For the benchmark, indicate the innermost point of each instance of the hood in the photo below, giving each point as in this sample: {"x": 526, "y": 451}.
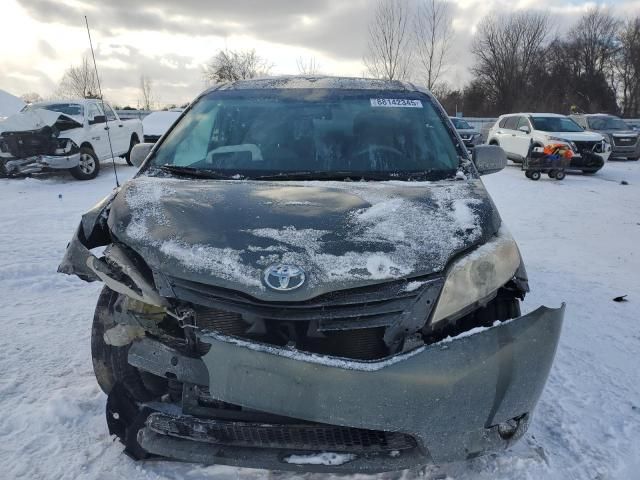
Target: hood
{"x": 620, "y": 133}
{"x": 342, "y": 234}
{"x": 577, "y": 136}
{"x": 33, "y": 120}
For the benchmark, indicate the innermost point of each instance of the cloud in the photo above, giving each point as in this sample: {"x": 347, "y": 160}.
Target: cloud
{"x": 170, "y": 40}
{"x": 332, "y": 26}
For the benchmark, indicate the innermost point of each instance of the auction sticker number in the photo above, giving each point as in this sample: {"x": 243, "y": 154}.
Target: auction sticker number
{"x": 396, "y": 102}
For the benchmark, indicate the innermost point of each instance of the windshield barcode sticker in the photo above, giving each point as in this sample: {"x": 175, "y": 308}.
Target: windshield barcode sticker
{"x": 396, "y": 102}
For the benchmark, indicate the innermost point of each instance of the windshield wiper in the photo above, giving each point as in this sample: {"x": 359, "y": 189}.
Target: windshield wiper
{"x": 346, "y": 175}
{"x": 195, "y": 172}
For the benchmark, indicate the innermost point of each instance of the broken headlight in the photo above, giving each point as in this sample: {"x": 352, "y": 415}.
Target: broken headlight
{"x": 476, "y": 276}
{"x": 65, "y": 147}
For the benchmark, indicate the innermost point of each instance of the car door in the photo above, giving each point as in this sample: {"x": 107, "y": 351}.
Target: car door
{"x": 97, "y": 132}
{"x": 119, "y": 134}
{"x": 507, "y": 134}
{"x": 522, "y": 139}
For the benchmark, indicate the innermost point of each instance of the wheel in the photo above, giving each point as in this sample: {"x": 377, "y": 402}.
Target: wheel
{"x": 560, "y": 175}
{"x": 535, "y": 175}
{"x": 110, "y": 363}
{"x": 89, "y": 166}
{"x": 134, "y": 141}
{"x": 551, "y": 173}
{"x": 527, "y": 173}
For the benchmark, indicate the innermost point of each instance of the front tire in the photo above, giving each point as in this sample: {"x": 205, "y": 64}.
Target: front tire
{"x": 535, "y": 175}
{"x": 88, "y": 167}
{"x": 110, "y": 363}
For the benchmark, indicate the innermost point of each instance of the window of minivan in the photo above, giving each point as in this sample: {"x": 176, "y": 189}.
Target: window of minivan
{"x": 258, "y": 133}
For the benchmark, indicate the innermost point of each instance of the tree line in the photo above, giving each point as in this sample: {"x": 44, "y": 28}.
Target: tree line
{"x": 518, "y": 63}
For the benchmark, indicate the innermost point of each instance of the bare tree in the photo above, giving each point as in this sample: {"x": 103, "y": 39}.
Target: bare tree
{"x": 31, "y": 97}
{"x": 146, "y": 90}
{"x": 388, "y": 51}
{"x": 433, "y": 37}
{"x": 509, "y": 51}
{"x": 233, "y": 65}
{"x": 79, "y": 81}
{"x": 307, "y": 66}
{"x": 593, "y": 41}
{"x": 628, "y": 67}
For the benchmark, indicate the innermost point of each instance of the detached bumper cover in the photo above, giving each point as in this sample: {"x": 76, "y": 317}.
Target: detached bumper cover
{"x": 25, "y": 166}
{"x": 450, "y": 396}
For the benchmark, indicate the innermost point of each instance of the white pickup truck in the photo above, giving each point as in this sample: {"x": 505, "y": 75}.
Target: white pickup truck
{"x": 68, "y": 135}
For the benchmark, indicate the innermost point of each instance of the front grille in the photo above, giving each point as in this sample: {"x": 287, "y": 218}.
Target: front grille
{"x": 316, "y": 437}
{"x": 358, "y": 344}
{"x": 375, "y": 306}
{"x": 624, "y": 141}
{"x": 30, "y": 143}
{"x": 589, "y": 146}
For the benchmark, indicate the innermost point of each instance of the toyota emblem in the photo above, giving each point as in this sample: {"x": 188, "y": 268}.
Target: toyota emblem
{"x": 284, "y": 278}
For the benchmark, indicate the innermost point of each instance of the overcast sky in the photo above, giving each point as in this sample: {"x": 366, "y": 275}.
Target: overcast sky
{"x": 170, "y": 40}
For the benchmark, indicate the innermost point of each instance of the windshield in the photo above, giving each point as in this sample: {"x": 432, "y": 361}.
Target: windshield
{"x": 555, "y": 124}
{"x": 461, "y": 124}
{"x": 607, "y": 123}
{"x": 256, "y": 133}
{"x": 72, "y": 109}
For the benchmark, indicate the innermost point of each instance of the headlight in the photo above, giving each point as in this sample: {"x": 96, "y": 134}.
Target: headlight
{"x": 573, "y": 146}
{"x": 477, "y": 275}
{"x": 65, "y": 146}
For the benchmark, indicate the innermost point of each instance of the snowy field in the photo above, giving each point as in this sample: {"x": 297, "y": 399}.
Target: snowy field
{"x": 580, "y": 239}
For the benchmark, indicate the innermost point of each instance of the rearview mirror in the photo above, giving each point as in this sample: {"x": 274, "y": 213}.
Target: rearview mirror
{"x": 524, "y": 129}
{"x": 489, "y": 159}
{"x": 139, "y": 152}
{"x": 98, "y": 119}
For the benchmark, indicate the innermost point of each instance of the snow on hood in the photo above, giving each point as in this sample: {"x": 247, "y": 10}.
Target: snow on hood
{"x": 9, "y": 104}
{"x": 30, "y": 120}
{"x": 157, "y": 123}
{"x": 343, "y": 234}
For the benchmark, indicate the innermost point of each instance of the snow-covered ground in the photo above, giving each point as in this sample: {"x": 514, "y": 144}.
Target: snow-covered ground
{"x": 581, "y": 242}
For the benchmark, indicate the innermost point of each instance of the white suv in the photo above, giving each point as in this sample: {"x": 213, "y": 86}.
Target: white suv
{"x": 517, "y": 132}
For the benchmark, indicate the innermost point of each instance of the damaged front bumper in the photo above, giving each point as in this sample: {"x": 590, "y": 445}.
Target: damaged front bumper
{"x": 38, "y": 164}
{"x": 457, "y": 399}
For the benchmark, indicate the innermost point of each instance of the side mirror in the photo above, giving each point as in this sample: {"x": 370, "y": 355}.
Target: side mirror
{"x": 489, "y": 159}
{"x": 139, "y": 152}
{"x": 524, "y": 129}
{"x": 98, "y": 119}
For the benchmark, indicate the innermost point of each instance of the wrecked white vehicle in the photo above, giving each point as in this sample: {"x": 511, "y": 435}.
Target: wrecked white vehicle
{"x": 72, "y": 136}
{"x": 309, "y": 274}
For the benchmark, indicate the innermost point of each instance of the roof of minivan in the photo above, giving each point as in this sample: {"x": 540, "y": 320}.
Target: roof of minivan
{"x": 317, "y": 81}
{"x": 537, "y": 114}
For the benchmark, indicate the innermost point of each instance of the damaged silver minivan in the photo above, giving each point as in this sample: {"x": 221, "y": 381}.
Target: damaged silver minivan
{"x": 307, "y": 273}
